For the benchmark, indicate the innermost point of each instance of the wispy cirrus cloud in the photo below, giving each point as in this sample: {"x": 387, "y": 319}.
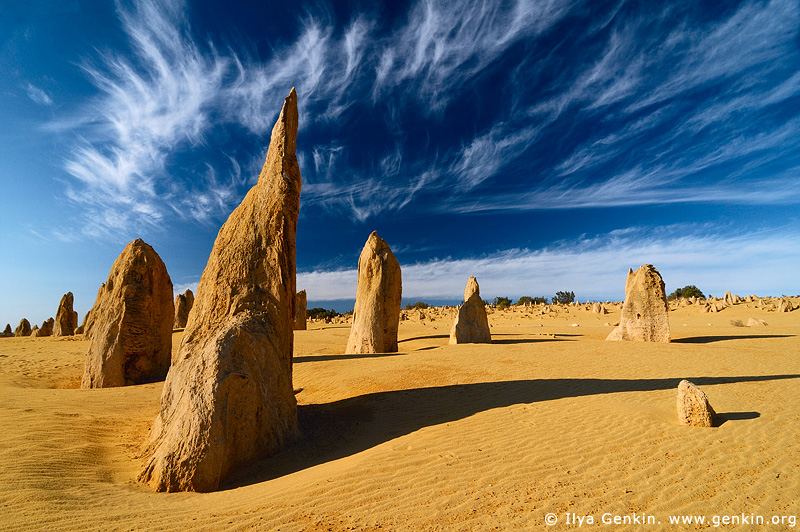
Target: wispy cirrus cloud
{"x": 595, "y": 267}
{"x": 634, "y": 106}
{"x": 165, "y": 96}
{"x": 38, "y": 95}
{"x": 445, "y": 44}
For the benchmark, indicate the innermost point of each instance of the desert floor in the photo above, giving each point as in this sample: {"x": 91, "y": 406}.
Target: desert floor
{"x": 548, "y": 418}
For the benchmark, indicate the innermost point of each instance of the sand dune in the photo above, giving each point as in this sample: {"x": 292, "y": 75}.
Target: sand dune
{"x": 547, "y": 418}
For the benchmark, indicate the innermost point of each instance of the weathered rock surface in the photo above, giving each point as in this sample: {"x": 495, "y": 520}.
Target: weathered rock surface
{"x": 23, "y": 329}
{"x": 228, "y": 398}
{"x": 728, "y": 299}
{"x": 7, "y": 332}
{"x": 300, "y": 311}
{"x": 598, "y": 308}
{"x": 35, "y": 331}
{"x": 645, "y": 315}
{"x": 131, "y": 336}
{"x": 693, "y": 406}
{"x": 66, "y": 318}
{"x": 376, "y": 317}
{"x": 753, "y": 322}
{"x": 471, "y": 325}
{"x": 46, "y": 329}
{"x": 183, "y": 304}
{"x": 88, "y": 320}
{"x": 785, "y": 305}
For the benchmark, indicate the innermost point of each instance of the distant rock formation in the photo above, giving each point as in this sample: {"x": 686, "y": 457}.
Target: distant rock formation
{"x": 753, "y": 322}
{"x": 23, "y": 329}
{"x": 228, "y": 399}
{"x": 7, "y": 332}
{"x": 66, "y": 318}
{"x": 183, "y": 304}
{"x": 645, "y": 315}
{"x": 35, "y": 331}
{"x": 598, "y": 308}
{"x": 471, "y": 325}
{"x": 46, "y": 329}
{"x": 300, "y": 311}
{"x": 693, "y": 406}
{"x": 785, "y": 305}
{"x": 131, "y": 327}
{"x": 376, "y": 316}
{"x": 731, "y": 299}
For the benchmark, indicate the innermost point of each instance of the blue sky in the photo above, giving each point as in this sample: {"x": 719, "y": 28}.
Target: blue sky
{"x": 539, "y": 145}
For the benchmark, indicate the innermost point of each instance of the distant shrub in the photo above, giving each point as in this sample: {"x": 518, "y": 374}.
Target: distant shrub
{"x": 417, "y": 305}
{"x": 737, "y": 323}
{"x": 528, "y": 300}
{"x": 687, "y": 292}
{"x": 319, "y": 313}
{"x": 501, "y": 302}
{"x": 564, "y": 297}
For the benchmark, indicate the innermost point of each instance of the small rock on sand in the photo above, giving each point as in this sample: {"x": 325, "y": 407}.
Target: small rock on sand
{"x": 693, "y": 406}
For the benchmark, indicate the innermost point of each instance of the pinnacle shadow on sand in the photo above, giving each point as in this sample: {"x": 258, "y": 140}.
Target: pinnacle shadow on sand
{"x": 711, "y": 339}
{"x": 349, "y": 426}
{"x": 430, "y": 337}
{"x": 508, "y": 341}
{"x": 343, "y": 356}
{"x": 722, "y": 418}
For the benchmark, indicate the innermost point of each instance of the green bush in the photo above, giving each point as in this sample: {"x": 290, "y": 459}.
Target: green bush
{"x": 528, "y": 300}
{"x": 564, "y": 297}
{"x": 319, "y": 313}
{"x": 501, "y": 302}
{"x": 687, "y": 292}
{"x": 417, "y": 305}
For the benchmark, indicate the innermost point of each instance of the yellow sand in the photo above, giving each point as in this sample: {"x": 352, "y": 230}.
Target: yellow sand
{"x": 549, "y": 418}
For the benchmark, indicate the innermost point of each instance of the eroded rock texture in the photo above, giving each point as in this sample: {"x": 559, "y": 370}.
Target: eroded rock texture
{"x": 376, "y": 316}
{"x": 131, "y": 322}
{"x": 228, "y": 399}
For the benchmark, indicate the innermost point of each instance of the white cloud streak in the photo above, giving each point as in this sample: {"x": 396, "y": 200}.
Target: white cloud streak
{"x": 165, "y": 99}
{"x": 444, "y": 44}
{"x": 762, "y": 262}
{"x": 38, "y": 95}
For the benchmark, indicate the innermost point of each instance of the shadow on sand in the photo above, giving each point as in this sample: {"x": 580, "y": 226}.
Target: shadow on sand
{"x": 529, "y": 340}
{"x": 346, "y": 427}
{"x": 710, "y": 339}
{"x": 433, "y": 336}
{"x": 342, "y": 356}
{"x": 734, "y": 416}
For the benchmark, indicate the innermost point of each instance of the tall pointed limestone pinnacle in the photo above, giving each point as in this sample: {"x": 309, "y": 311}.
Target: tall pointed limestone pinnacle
{"x": 228, "y": 398}
{"x": 471, "y": 325}
{"x": 645, "y": 314}
{"x": 379, "y": 293}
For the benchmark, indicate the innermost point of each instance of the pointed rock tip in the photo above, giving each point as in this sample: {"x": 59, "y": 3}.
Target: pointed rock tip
{"x": 376, "y": 242}
{"x": 471, "y": 288}
{"x": 285, "y": 129}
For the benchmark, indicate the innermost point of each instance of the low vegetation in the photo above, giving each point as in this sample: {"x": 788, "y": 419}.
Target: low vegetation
{"x": 501, "y": 302}
{"x": 528, "y": 300}
{"x": 686, "y": 292}
{"x": 319, "y": 313}
{"x": 564, "y": 297}
{"x": 417, "y": 305}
